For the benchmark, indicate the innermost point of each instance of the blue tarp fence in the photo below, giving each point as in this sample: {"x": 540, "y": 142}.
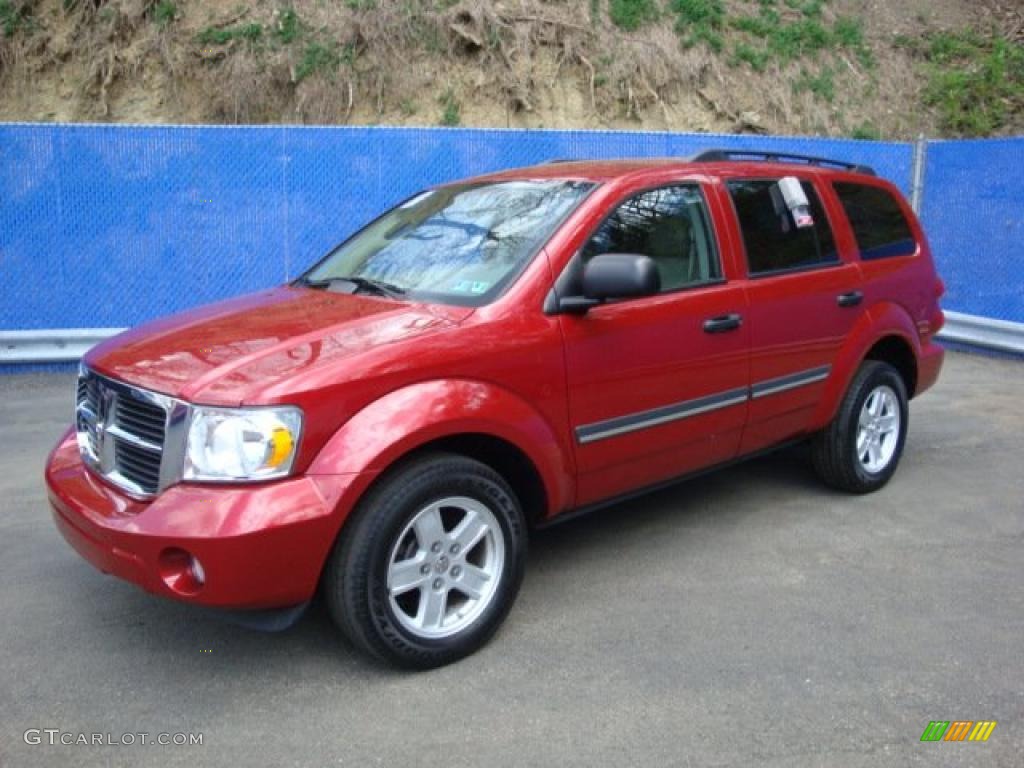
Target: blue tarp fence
{"x": 109, "y": 226}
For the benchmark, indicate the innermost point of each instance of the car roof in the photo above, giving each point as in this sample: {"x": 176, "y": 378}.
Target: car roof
{"x": 710, "y": 162}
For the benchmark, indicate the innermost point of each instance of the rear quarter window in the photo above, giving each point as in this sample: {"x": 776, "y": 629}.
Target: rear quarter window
{"x": 877, "y": 221}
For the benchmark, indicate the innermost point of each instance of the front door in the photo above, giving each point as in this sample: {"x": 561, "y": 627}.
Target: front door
{"x": 658, "y": 385}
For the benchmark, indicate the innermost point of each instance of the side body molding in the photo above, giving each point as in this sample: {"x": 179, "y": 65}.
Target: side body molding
{"x": 880, "y": 321}
{"x": 413, "y": 416}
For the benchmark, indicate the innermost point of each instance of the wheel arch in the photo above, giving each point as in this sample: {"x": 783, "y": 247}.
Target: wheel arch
{"x": 886, "y": 333}
{"x": 475, "y": 419}
{"x": 501, "y": 455}
{"x": 897, "y": 352}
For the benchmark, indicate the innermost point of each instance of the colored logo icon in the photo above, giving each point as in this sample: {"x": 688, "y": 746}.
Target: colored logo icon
{"x": 959, "y": 730}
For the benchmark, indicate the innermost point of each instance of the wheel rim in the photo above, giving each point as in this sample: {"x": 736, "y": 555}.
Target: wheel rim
{"x": 878, "y": 429}
{"x": 445, "y": 567}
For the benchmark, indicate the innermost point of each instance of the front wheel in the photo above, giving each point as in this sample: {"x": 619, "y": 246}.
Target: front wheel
{"x": 860, "y": 450}
{"x": 430, "y": 564}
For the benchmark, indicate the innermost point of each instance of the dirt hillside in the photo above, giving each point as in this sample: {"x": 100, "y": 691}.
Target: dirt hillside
{"x": 864, "y": 68}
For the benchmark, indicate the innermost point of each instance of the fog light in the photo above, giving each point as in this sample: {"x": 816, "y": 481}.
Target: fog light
{"x": 181, "y": 571}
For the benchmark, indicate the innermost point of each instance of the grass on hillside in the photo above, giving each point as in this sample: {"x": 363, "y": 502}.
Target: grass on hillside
{"x": 777, "y": 30}
{"x": 788, "y": 65}
{"x": 975, "y": 82}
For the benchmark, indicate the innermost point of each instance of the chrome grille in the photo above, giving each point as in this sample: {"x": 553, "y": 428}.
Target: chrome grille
{"x": 88, "y": 401}
{"x": 146, "y": 420}
{"x": 139, "y": 465}
{"x": 122, "y": 432}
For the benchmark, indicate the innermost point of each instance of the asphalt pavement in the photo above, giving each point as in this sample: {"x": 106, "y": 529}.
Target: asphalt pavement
{"x": 747, "y": 618}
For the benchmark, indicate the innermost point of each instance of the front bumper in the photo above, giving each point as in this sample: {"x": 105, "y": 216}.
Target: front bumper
{"x": 260, "y": 546}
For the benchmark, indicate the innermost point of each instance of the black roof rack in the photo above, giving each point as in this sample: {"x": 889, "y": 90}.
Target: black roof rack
{"x": 727, "y": 155}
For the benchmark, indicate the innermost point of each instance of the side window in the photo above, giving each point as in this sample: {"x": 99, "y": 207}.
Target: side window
{"x": 671, "y": 225}
{"x": 878, "y": 222}
{"x": 772, "y": 238}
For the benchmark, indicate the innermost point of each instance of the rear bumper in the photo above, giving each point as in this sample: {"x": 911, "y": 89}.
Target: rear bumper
{"x": 259, "y": 546}
{"x": 929, "y": 365}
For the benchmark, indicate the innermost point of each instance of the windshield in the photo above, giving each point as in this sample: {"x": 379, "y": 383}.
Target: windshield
{"x": 460, "y": 244}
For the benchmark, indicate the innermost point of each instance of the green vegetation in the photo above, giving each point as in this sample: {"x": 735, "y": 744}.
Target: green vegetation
{"x": 779, "y": 32}
{"x": 164, "y": 13}
{"x": 798, "y": 39}
{"x": 13, "y": 17}
{"x": 451, "y": 110}
{"x": 324, "y": 58}
{"x": 848, "y": 33}
{"x": 769, "y": 37}
{"x": 757, "y": 59}
{"x": 288, "y": 26}
{"x": 361, "y": 5}
{"x": 866, "y": 132}
{"x": 224, "y": 35}
{"x": 809, "y": 8}
{"x": 699, "y": 21}
{"x": 632, "y": 14}
{"x": 822, "y": 85}
{"x": 975, "y": 82}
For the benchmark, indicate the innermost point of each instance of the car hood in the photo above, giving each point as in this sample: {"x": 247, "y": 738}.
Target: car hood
{"x": 226, "y": 353}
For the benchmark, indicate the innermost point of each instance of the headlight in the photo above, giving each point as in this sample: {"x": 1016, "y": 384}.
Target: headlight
{"x": 241, "y": 443}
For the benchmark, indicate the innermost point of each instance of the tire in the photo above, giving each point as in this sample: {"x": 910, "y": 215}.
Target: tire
{"x": 433, "y": 527}
{"x": 861, "y": 460}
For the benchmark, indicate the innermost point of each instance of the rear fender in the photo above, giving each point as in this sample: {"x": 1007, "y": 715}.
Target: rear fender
{"x": 411, "y": 417}
{"x": 881, "y": 320}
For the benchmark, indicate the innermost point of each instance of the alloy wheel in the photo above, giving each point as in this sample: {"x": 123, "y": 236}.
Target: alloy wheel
{"x": 445, "y": 566}
{"x": 878, "y": 429}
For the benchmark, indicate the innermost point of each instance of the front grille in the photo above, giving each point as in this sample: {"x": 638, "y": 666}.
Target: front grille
{"x": 88, "y": 399}
{"x": 121, "y": 431}
{"x": 145, "y": 420}
{"x": 139, "y": 465}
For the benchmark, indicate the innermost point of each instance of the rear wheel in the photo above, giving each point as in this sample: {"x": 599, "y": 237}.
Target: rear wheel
{"x": 860, "y": 450}
{"x": 430, "y": 564}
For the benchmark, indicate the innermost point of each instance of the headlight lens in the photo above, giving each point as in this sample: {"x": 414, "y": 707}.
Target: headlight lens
{"x": 241, "y": 443}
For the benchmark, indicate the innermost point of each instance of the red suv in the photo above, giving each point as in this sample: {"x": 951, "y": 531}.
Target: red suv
{"x": 488, "y": 356}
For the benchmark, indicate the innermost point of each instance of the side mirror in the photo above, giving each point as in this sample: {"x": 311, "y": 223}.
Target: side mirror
{"x": 614, "y": 276}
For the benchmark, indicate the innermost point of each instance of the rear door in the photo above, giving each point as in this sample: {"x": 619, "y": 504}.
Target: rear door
{"x": 803, "y": 300}
{"x": 657, "y": 385}
{"x": 891, "y": 249}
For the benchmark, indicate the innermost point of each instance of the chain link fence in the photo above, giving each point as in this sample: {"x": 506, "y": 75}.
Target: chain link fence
{"x": 109, "y": 226}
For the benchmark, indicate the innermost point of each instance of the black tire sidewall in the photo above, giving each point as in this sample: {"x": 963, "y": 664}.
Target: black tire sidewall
{"x": 393, "y": 508}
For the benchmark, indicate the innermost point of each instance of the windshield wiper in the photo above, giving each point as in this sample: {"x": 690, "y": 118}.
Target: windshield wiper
{"x": 367, "y": 284}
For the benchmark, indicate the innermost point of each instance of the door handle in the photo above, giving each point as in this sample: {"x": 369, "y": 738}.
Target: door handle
{"x": 723, "y": 323}
{"x": 851, "y": 299}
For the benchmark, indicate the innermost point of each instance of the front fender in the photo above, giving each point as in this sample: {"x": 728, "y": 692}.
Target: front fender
{"x": 879, "y": 321}
{"x": 408, "y": 418}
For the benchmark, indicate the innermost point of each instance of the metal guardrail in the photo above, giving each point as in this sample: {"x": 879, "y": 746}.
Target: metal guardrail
{"x": 985, "y": 332}
{"x": 50, "y": 346}
{"x": 69, "y": 344}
